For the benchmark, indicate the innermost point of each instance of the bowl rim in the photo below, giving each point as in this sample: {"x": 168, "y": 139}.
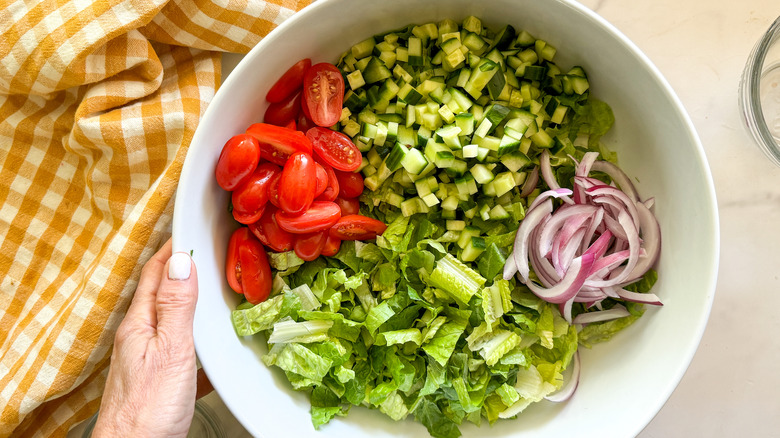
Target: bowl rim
{"x": 180, "y": 213}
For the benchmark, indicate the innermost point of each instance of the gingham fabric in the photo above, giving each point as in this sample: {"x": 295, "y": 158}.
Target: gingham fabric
{"x": 99, "y": 100}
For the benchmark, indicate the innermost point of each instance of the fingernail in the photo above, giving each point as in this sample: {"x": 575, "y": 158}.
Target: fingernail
{"x": 179, "y": 266}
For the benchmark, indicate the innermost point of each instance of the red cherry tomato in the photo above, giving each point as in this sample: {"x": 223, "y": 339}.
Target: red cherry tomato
{"x": 237, "y": 161}
{"x": 283, "y": 112}
{"x": 268, "y": 232}
{"x": 250, "y": 198}
{"x": 322, "y": 180}
{"x": 357, "y": 227}
{"x": 248, "y": 271}
{"x": 297, "y": 183}
{"x": 304, "y": 123}
{"x": 309, "y": 246}
{"x": 348, "y": 206}
{"x": 335, "y": 149}
{"x": 350, "y": 184}
{"x": 332, "y": 190}
{"x": 291, "y": 125}
{"x": 277, "y": 143}
{"x": 273, "y": 189}
{"x": 290, "y": 81}
{"x": 332, "y": 246}
{"x": 320, "y": 216}
{"x": 323, "y": 93}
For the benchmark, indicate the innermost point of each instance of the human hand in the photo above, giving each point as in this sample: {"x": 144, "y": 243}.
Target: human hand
{"x": 151, "y": 385}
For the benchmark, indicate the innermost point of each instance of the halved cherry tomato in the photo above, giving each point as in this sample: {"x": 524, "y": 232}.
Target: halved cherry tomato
{"x": 357, "y": 227}
{"x": 320, "y": 216}
{"x": 273, "y": 189}
{"x": 237, "y": 161}
{"x": 291, "y": 125}
{"x": 323, "y": 93}
{"x": 277, "y": 143}
{"x": 332, "y": 246}
{"x": 332, "y": 190}
{"x": 232, "y": 266}
{"x": 290, "y": 81}
{"x": 248, "y": 270}
{"x": 297, "y": 183}
{"x": 309, "y": 246}
{"x": 281, "y": 113}
{"x": 335, "y": 149}
{"x": 322, "y": 180}
{"x": 350, "y": 184}
{"x": 348, "y": 206}
{"x": 268, "y": 232}
{"x": 250, "y": 198}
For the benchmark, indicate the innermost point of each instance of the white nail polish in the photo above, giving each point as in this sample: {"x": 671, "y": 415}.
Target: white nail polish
{"x": 179, "y": 266}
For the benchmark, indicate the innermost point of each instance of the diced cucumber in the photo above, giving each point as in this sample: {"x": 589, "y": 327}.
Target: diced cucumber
{"x": 481, "y": 174}
{"x": 376, "y": 71}
{"x": 363, "y": 48}
{"x": 498, "y": 213}
{"x": 481, "y": 74}
{"x": 475, "y": 247}
{"x": 396, "y": 157}
{"x": 503, "y": 183}
{"x": 430, "y": 200}
{"x": 450, "y": 203}
{"x": 515, "y": 161}
{"x": 466, "y": 234}
{"x": 414, "y": 162}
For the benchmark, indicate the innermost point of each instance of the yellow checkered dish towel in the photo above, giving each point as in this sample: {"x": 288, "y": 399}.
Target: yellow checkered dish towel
{"x": 99, "y": 100}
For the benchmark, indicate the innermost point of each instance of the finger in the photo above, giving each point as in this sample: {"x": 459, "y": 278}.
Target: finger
{"x": 176, "y": 298}
{"x": 142, "y": 310}
{"x": 203, "y": 384}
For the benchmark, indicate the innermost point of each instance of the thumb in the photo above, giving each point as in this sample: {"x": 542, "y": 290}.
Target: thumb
{"x": 176, "y": 297}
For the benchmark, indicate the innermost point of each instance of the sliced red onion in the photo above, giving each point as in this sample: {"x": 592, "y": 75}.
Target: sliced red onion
{"x": 611, "y": 291}
{"x": 614, "y": 227}
{"x": 651, "y": 239}
{"x": 633, "y": 246}
{"x": 649, "y": 202}
{"x": 599, "y": 247}
{"x": 636, "y": 297}
{"x": 618, "y": 176}
{"x": 565, "y": 309}
{"x": 510, "y": 268}
{"x": 569, "y": 382}
{"x": 542, "y": 267}
{"x": 569, "y": 285}
{"x": 533, "y": 218}
{"x": 530, "y": 182}
{"x": 582, "y": 170}
{"x": 588, "y": 182}
{"x": 589, "y": 250}
{"x": 562, "y": 258}
{"x": 602, "y": 315}
{"x": 590, "y": 297}
{"x": 630, "y": 206}
{"x": 580, "y": 212}
{"x": 556, "y": 193}
{"x": 547, "y": 173}
{"x": 598, "y": 219}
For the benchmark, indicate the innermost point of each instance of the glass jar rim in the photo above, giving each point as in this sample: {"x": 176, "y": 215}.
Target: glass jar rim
{"x": 750, "y": 100}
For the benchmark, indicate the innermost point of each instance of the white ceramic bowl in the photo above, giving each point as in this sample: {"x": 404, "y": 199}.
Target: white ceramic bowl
{"x": 624, "y": 381}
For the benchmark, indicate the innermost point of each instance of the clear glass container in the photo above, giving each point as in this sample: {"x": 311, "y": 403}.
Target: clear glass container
{"x": 205, "y": 423}
{"x": 759, "y": 93}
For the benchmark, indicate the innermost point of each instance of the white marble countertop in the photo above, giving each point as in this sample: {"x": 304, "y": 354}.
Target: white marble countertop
{"x": 701, "y": 46}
